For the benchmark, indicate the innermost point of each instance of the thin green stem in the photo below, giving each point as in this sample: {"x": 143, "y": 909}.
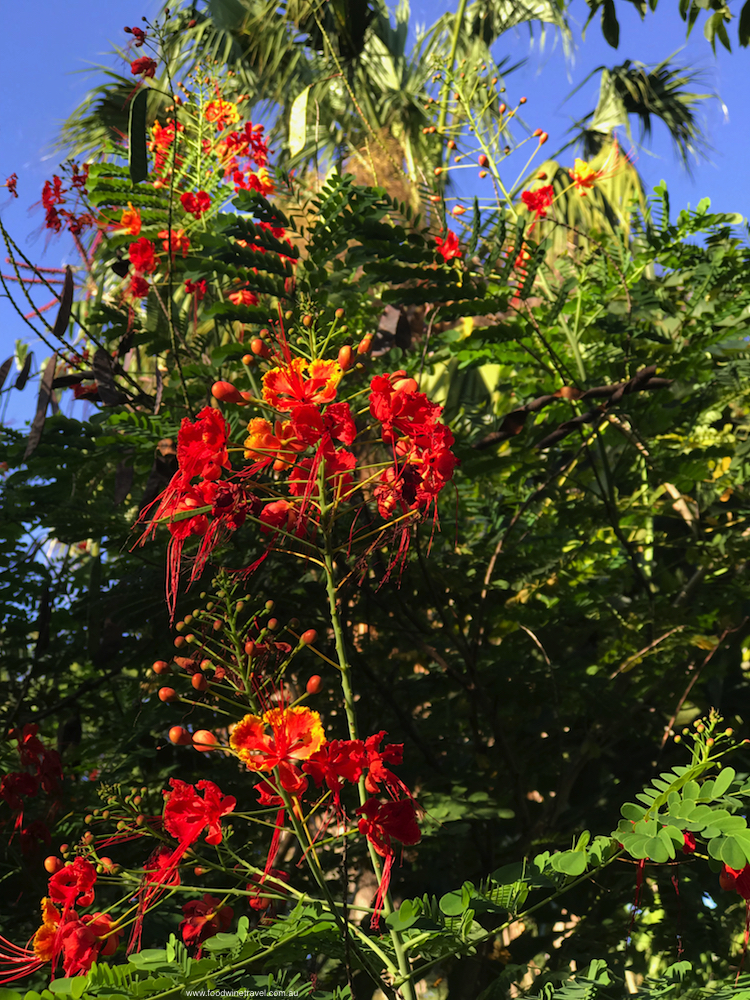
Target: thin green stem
{"x": 351, "y": 718}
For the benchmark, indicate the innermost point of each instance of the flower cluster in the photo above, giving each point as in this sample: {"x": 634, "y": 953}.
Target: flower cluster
{"x": 288, "y": 744}
{"x": 55, "y": 197}
{"x": 64, "y": 933}
{"x": 40, "y": 769}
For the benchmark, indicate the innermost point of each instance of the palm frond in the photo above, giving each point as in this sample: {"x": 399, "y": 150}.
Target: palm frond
{"x": 633, "y": 90}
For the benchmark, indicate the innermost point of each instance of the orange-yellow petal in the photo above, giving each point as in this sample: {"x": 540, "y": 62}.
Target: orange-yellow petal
{"x": 298, "y": 729}
{"x": 253, "y": 747}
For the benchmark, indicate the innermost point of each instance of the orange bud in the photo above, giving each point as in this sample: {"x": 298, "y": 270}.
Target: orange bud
{"x": 438, "y": 171}
{"x": 307, "y": 321}
{"x": 250, "y": 647}
{"x": 167, "y": 694}
{"x": 180, "y": 736}
{"x": 493, "y": 81}
{"x": 502, "y": 109}
{"x": 199, "y": 682}
{"x": 451, "y": 144}
{"x": 225, "y": 392}
{"x": 204, "y": 741}
{"x": 543, "y": 138}
{"x": 365, "y": 344}
{"x": 522, "y": 100}
{"x": 482, "y": 160}
{"x": 536, "y": 132}
{"x": 542, "y": 175}
{"x": 160, "y": 667}
{"x": 308, "y": 637}
{"x": 248, "y": 359}
{"x": 314, "y": 685}
{"x": 52, "y": 864}
{"x": 434, "y": 197}
{"x": 258, "y": 347}
{"x": 458, "y": 210}
{"x": 346, "y": 358}
{"x": 482, "y": 173}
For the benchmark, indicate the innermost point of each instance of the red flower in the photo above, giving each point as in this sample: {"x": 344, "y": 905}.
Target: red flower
{"x": 737, "y": 879}
{"x": 160, "y": 868}
{"x": 339, "y": 422}
{"x": 296, "y": 734}
{"x": 539, "y": 201}
{"x": 301, "y": 382}
{"x": 203, "y": 919}
{"x": 73, "y": 884}
{"x": 179, "y": 240}
{"x": 138, "y": 34}
{"x": 138, "y": 287}
{"x": 196, "y": 204}
{"x": 130, "y": 220}
{"x": 377, "y": 772}
{"x": 202, "y": 445}
{"x": 223, "y": 113}
{"x": 243, "y": 297}
{"x": 196, "y": 288}
{"x": 277, "y": 514}
{"x": 448, "y": 248}
{"x": 186, "y": 814}
{"x": 688, "y": 846}
{"x": 337, "y": 760}
{"x": 381, "y": 822}
{"x": 259, "y": 902}
{"x": 395, "y": 402}
{"x": 143, "y": 255}
{"x": 17, "y": 784}
{"x": 85, "y": 939}
{"x": 143, "y": 66}
{"x": 11, "y": 183}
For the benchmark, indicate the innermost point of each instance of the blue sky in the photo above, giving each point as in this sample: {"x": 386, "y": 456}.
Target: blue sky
{"x": 44, "y": 48}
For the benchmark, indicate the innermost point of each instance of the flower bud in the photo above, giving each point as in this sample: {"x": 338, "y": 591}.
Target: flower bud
{"x": 250, "y": 647}
{"x": 482, "y": 160}
{"x": 340, "y": 313}
{"x": 248, "y": 360}
{"x": 269, "y": 605}
{"x": 314, "y": 684}
{"x": 307, "y": 321}
{"x": 346, "y": 358}
{"x": 482, "y": 174}
{"x": 52, "y": 865}
{"x": 258, "y": 347}
{"x": 180, "y": 736}
{"x": 204, "y": 741}
{"x": 543, "y": 138}
{"x": 522, "y": 100}
{"x": 273, "y": 624}
{"x": 363, "y": 347}
{"x": 308, "y": 638}
{"x": 458, "y": 210}
{"x": 225, "y": 392}
{"x": 199, "y": 682}
{"x": 160, "y": 667}
{"x": 167, "y": 694}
